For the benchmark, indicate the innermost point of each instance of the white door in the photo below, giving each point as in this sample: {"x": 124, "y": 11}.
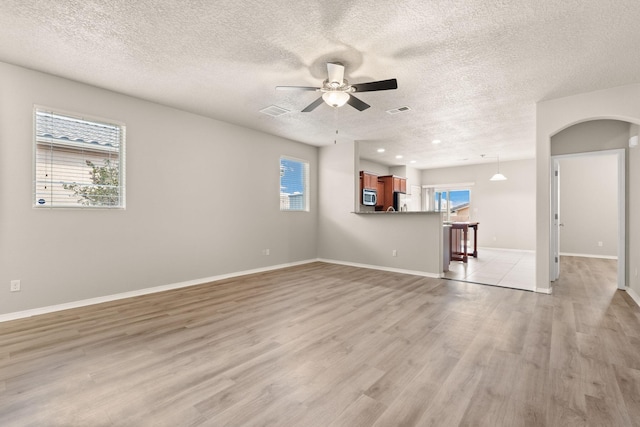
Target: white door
{"x": 554, "y": 262}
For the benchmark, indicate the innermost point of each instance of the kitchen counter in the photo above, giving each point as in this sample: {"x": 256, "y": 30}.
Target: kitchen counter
{"x": 397, "y": 213}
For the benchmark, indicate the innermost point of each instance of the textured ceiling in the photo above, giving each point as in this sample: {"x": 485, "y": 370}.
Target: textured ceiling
{"x": 471, "y": 71}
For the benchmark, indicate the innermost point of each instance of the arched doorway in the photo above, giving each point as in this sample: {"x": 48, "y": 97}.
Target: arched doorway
{"x": 620, "y": 103}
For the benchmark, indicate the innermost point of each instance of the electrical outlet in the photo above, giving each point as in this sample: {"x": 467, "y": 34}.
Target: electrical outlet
{"x": 15, "y": 286}
{"x": 495, "y": 238}
{"x": 600, "y": 244}
{"x": 636, "y": 272}
{"x": 394, "y": 252}
{"x": 266, "y": 252}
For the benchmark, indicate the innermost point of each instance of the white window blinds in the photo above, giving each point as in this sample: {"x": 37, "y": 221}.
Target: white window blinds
{"x": 294, "y": 185}
{"x": 78, "y": 162}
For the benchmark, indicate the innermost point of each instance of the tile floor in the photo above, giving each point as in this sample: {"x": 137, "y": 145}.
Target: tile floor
{"x": 500, "y": 267}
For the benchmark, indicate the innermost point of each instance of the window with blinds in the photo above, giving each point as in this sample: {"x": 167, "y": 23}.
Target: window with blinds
{"x": 79, "y": 162}
{"x": 294, "y": 185}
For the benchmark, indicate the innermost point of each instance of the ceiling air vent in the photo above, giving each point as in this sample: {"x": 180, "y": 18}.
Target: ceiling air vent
{"x": 274, "y": 111}
{"x": 398, "y": 110}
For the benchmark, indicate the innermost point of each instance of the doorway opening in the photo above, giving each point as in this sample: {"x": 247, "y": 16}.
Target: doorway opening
{"x": 588, "y": 209}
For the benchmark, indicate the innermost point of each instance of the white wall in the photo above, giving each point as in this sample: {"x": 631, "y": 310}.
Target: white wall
{"x": 589, "y": 205}
{"x": 505, "y": 209}
{"x": 619, "y": 103}
{"x": 368, "y": 239}
{"x": 202, "y": 200}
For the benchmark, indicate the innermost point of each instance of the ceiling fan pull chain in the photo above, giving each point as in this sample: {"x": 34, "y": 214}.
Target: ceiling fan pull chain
{"x": 335, "y": 122}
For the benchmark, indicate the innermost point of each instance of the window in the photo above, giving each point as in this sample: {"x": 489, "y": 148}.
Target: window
{"x": 455, "y": 203}
{"x": 453, "y": 200}
{"x": 78, "y": 162}
{"x": 294, "y": 185}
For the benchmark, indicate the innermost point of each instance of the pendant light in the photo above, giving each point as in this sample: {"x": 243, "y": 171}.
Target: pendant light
{"x": 498, "y": 176}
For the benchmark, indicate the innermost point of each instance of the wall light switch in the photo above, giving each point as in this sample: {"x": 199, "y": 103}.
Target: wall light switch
{"x": 15, "y": 286}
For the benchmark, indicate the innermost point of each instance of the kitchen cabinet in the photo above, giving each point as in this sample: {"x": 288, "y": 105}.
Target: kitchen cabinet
{"x": 381, "y": 196}
{"x": 387, "y": 185}
{"x": 368, "y": 181}
{"x": 399, "y": 184}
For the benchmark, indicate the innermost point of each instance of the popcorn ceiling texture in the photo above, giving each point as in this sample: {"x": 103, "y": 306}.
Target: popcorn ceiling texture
{"x": 471, "y": 71}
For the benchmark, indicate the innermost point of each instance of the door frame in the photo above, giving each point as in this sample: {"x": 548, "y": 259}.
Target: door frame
{"x": 554, "y": 252}
{"x": 554, "y": 238}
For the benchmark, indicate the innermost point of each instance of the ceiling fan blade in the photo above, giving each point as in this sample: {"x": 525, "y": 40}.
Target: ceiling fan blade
{"x": 379, "y": 85}
{"x": 357, "y": 104}
{"x": 336, "y": 72}
{"x": 313, "y": 105}
{"x": 297, "y": 88}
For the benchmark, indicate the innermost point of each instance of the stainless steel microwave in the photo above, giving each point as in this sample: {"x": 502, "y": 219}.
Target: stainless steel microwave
{"x": 369, "y": 197}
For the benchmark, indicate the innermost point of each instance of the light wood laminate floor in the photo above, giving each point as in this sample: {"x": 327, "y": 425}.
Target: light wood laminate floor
{"x": 328, "y": 345}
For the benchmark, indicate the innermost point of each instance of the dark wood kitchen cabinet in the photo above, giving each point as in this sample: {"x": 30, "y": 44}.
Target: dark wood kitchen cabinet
{"x": 368, "y": 181}
{"x": 394, "y": 183}
{"x": 387, "y": 185}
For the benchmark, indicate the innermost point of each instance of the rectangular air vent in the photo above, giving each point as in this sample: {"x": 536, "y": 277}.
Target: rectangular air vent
{"x": 274, "y": 111}
{"x": 398, "y": 110}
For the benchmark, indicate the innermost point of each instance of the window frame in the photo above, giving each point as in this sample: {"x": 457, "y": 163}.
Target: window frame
{"x": 121, "y": 150}
{"x": 433, "y": 190}
{"x": 306, "y": 184}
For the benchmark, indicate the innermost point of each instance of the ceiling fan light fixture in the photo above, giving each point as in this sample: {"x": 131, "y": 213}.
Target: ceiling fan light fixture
{"x": 335, "y": 98}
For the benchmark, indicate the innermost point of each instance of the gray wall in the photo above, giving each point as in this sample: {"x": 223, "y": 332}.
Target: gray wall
{"x": 202, "y": 200}
{"x": 413, "y": 175}
{"x": 369, "y": 239}
{"x": 376, "y": 168}
{"x": 633, "y": 218}
{"x": 505, "y": 209}
{"x": 589, "y": 205}
{"x": 594, "y": 135}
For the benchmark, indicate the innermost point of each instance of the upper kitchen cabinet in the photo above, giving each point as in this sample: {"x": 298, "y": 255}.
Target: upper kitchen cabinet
{"x": 368, "y": 181}
{"x": 394, "y": 184}
{"x": 390, "y": 184}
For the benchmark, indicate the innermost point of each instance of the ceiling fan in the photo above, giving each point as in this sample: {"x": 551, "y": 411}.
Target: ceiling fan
{"x": 336, "y": 90}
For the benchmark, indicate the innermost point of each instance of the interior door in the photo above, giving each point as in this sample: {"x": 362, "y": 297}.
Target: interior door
{"x": 554, "y": 262}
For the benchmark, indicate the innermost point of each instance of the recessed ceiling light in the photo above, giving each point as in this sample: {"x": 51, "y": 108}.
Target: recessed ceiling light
{"x": 412, "y": 161}
{"x": 436, "y": 141}
{"x": 380, "y": 150}
{"x": 398, "y": 156}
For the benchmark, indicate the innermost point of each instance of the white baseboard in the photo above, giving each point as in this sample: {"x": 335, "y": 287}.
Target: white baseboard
{"x": 543, "y": 290}
{"x": 98, "y": 300}
{"x": 527, "y": 251}
{"x": 589, "y": 255}
{"x": 377, "y": 267}
{"x": 634, "y": 296}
